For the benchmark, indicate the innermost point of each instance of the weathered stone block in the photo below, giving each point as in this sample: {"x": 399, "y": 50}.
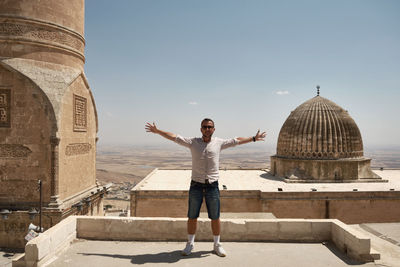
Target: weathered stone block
{"x": 295, "y": 230}
{"x": 337, "y": 235}
{"x": 321, "y": 229}
{"x": 262, "y": 230}
{"x": 357, "y": 242}
{"x": 37, "y": 248}
{"x": 89, "y": 228}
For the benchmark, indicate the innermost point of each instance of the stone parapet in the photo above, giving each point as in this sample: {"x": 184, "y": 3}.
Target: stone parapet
{"x": 350, "y": 241}
{"x": 48, "y": 244}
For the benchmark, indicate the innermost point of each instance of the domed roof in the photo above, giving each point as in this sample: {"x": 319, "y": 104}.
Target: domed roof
{"x": 319, "y": 129}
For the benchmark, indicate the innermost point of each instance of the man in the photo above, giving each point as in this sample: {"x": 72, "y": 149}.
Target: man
{"x": 205, "y": 166}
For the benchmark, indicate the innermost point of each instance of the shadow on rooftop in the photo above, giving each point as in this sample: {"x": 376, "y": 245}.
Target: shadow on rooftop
{"x": 162, "y": 257}
{"x": 340, "y": 255}
{"x": 267, "y": 175}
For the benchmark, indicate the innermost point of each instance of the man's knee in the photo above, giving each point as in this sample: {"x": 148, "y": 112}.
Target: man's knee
{"x": 215, "y": 221}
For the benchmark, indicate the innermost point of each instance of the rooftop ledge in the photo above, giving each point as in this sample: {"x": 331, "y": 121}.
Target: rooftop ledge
{"x": 262, "y": 180}
{"x": 57, "y": 239}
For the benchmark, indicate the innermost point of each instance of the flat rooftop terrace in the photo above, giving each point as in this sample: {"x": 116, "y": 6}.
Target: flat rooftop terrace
{"x": 262, "y": 180}
{"x": 105, "y": 241}
{"x": 164, "y": 193}
{"x": 114, "y": 253}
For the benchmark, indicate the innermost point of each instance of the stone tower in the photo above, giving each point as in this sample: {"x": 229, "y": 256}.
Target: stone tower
{"x": 48, "y": 119}
{"x": 320, "y": 142}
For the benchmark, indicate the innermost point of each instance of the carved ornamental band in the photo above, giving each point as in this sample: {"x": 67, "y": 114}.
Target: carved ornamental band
{"x": 80, "y": 114}
{"x": 14, "y": 151}
{"x": 5, "y": 106}
{"x": 78, "y": 149}
{"x": 41, "y": 33}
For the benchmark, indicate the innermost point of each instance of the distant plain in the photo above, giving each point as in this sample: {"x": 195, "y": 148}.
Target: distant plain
{"x": 132, "y": 163}
{"x": 125, "y": 166}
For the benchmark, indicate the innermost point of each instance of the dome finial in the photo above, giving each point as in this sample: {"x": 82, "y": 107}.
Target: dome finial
{"x": 318, "y": 90}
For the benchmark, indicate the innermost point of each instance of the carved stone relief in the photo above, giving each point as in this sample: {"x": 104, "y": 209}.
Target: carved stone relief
{"x": 78, "y": 149}
{"x": 14, "y": 151}
{"x": 42, "y": 33}
{"x": 80, "y": 113}
{"x": 5, "y": 108}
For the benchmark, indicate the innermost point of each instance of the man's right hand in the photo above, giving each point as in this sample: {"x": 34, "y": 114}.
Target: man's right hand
{"x": 151, "y": 128}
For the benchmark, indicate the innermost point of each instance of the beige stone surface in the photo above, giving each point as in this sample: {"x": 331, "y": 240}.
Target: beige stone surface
{"x": 48, "y": 30}
{"x": 77, "y": 170}
{"x": 349, "y": 240}
{"x": 51, "y": 242}
{"x": 164, "y": 193}
{"x": 354, "y": 242}
{"x": 52, "y": 79}
{"x": 110, "y": 253}
{"x": 41, "y": 111}
{"x": 31, "y": 127}
{"x": 306, "y": 170}
{"x": 262, "y": 180}
{"x": 140, "y": 228}
{"x": 388, "y": 231}
{"x": 320, "y": 141}
{"x": 120, "y": 253}
{"x": 69, "y": 15}
{"x": 14, "y": 229}
{"x": 319, "y": 129}
{"x": 389, "y": 252}
{"x": 49, "y": 121}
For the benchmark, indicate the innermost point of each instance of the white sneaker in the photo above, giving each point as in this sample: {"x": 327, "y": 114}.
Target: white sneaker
{"x": 188, "y": 249}
{"x": 219, "y": 250}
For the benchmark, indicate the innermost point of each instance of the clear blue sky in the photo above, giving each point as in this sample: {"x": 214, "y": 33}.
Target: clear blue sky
{"x": 246, "y": 64}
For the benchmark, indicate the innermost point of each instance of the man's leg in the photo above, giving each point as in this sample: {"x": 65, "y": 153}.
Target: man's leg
{"x": 191, "y": 226}
{"x": 195, "y": 200}
{"x": 213, "y": 209}
{"x": 216, "y": 226}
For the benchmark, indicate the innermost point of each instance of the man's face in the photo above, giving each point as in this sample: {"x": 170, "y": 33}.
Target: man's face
{"x": 207, "y": 128}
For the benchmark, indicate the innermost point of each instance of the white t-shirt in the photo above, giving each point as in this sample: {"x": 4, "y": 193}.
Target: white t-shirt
{"x": 205, "y": 156}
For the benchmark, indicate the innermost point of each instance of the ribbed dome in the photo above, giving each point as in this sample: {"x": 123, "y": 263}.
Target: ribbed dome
{"x": 319, "y": 129}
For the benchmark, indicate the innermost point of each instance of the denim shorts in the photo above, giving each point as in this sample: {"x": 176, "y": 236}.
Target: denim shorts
{"x": 210, "y": 192}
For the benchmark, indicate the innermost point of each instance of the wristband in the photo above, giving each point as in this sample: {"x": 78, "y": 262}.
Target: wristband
{"x": 254, "y": 138}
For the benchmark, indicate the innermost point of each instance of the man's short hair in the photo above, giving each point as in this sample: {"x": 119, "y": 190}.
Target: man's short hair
{"x": 206, "y": 120}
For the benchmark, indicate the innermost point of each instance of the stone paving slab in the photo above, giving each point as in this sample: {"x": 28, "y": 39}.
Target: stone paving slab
{"x": 390, "y": 253}
{"x": 6, "y": 257}
{"x": 113, "y": 253}
{"x": 387, "y": 231}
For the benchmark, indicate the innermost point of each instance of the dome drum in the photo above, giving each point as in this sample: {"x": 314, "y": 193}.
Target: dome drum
{"x": 340, "y": 170}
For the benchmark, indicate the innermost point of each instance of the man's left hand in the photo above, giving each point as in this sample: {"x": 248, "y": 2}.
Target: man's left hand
{"x": 260, "y": 136}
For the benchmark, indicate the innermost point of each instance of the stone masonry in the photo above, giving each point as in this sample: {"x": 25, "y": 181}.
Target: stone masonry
{"x": 48, "y": 117}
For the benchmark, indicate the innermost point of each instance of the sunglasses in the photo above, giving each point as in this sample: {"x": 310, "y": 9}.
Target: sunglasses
{"x": 206, "y": 127}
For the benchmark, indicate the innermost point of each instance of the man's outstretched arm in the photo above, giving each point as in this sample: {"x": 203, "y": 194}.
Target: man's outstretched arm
{"x": 152, "y": 128}
{"x": 258, "y": 137}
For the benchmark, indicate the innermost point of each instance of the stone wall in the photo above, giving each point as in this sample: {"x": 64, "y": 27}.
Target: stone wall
{"x": 77, "y": 149}
{"x": 44, "y": 30}
{"x": 349, "y": 207}
{"x": 302, "y": 170}
{"x": 48, "y": 120}
{"x": 24, "y": 145}
{"x": 14, "y": 229}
